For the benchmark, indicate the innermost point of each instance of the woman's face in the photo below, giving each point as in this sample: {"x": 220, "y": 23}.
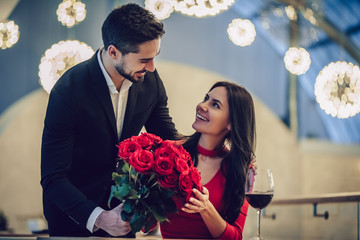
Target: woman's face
{"x": 212, "y": 114}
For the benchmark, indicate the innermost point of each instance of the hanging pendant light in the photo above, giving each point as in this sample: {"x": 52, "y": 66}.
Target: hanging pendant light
{"x": 71, "y": 12}
{"x": 201, "y": 8}
{"x": 162, "y": 9}
{"x": 9, "y": 34}
{"x": 59, "y": 58}
{"x": 337, "y": 89}
{"x": 297, "y": 60}
{"x": 241, "y": 32}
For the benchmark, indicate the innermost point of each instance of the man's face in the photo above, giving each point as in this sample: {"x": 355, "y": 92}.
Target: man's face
{"x": 133, "y": 66}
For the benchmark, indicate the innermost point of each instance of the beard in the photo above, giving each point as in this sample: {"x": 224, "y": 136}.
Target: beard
{"x": 120, "y": 69}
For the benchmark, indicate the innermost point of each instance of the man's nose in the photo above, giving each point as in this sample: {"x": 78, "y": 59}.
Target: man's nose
{"x": 150, "y": 66}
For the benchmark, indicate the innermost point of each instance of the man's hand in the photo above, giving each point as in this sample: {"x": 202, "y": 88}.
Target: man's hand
{"x": 111, "y": 222}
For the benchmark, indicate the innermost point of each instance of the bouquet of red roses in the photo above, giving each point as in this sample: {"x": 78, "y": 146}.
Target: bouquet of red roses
{"x": 149, "y": 173}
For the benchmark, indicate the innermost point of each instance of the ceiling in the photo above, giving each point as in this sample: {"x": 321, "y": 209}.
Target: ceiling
{"x": 334, "y": 37}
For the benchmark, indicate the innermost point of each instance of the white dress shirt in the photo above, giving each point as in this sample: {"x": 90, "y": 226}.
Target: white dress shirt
{"x": 119, "y": 101}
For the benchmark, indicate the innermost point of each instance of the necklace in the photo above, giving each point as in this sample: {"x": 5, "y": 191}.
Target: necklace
{"x": 210, "y": 153}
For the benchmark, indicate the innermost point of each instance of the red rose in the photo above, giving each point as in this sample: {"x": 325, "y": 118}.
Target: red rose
{"x": 164, "y": 159}
{"x": 189, "y": 160}
{"x": 142, "y": 161}
{"x": 153, "y": 138}
{"x": 181, "y": 152}
{"x": 169, "y": 181}
{"x": 127, "y": 148}
{"x": 143, "y": 141}
{"x": 196, "y": 177}
{"x": 166, "y": 150}
{"x": 185, "y": 184}
{"x": 164, "y": 166}
{"x": 182, "y": 165}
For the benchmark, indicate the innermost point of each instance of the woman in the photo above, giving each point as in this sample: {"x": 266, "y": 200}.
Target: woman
{"x": 225, "y": 117}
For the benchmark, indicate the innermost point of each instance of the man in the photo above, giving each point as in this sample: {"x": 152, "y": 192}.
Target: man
{"x": 92, "y": 107}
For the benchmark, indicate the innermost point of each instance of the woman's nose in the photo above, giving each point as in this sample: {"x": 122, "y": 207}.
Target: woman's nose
{"x": 203, "y": 106}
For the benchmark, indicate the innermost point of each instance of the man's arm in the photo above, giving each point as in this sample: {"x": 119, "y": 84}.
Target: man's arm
{"x": 56, "y": 159}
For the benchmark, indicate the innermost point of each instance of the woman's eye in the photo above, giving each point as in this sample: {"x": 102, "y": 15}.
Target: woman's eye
{"x": 216, "y": 105}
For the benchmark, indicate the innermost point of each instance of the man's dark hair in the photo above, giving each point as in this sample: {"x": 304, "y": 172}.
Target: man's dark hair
{"x": 129, "y": 26}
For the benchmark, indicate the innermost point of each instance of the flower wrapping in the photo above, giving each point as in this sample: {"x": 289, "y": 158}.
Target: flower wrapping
{"x": 150, "y": 173}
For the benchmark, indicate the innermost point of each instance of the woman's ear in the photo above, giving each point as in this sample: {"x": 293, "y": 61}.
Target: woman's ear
{"x": 228, "y": 127}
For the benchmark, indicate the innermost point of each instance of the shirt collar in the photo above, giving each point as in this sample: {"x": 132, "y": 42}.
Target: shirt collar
{"x": 126, "y": 84}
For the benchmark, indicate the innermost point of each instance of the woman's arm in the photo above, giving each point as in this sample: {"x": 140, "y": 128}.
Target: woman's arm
{"x": 201, "y": 204}
{"x": 234, "y": 231}
{"x": 216, "y": 225}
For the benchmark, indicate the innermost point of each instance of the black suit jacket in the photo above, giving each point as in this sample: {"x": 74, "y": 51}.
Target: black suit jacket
{"x": 79, "y": 142}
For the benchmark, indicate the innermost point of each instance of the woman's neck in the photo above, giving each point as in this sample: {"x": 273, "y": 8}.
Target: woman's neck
{"x": 210, "y": 143}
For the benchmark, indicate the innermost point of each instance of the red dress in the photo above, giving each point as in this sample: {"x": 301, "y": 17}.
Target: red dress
{"x": 186, "y": 225}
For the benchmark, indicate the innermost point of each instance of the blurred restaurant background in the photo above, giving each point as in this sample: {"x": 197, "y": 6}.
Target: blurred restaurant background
{"x": 299, "y": 59}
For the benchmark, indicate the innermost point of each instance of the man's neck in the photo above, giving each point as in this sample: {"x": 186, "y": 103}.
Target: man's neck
{"x": 110, "y": 69}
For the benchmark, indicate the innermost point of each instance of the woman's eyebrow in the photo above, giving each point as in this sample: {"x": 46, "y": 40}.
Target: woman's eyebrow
{"x": 217, "y": 101}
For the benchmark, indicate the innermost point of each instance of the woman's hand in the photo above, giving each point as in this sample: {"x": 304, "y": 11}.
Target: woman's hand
{"x": 199, "y": 204}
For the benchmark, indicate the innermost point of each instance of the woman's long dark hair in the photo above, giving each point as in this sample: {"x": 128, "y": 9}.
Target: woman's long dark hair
{"x": 241, "y": 141}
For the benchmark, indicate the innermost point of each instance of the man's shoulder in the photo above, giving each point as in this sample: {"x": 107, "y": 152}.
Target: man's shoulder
{"x": 82, "y": 68}
{"x": 76, "y": 75}
{"x": 152, "y": 76}
{"x": 152, "y": 79}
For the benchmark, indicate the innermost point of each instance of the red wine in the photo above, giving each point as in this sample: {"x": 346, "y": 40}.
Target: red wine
{"x": 259, "y": 201}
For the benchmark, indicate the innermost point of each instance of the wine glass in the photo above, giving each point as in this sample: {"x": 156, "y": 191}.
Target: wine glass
{"x": 259, "y": 190}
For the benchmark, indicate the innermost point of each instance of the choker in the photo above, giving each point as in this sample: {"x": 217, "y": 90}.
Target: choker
{"x": 210, "y": 153}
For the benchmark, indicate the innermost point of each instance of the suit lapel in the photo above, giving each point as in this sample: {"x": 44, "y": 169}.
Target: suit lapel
{"x": 130, "y": 107}
{"x": 101, "y": 91}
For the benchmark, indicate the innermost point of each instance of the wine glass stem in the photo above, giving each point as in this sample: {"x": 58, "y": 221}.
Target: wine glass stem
{"x": 258, "y": 223}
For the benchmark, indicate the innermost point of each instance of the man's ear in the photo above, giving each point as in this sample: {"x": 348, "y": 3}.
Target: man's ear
{"x": 113, "y": 52}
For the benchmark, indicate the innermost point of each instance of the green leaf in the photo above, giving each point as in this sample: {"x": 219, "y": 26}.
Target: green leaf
{"x": 129, "y": 206}
{"x": 120, "y": 191}
{"x": 151, "y": 221}
{"x": 136, "y": 178}
{"x": 133, "y": 171}
{"x": 126, "y": 167}
{"x": 137, "y": 222}
{"x": 158, "y": 212}
{"x": 143, "y": 191}
{"x": 125, "y": 216}
{"x": 133, "y": 194}
{"x": 152, "y": 176}
{"x": 119, "y": 179}
{"x": 110, "y": 198}
{"x": 166, "y": 193}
